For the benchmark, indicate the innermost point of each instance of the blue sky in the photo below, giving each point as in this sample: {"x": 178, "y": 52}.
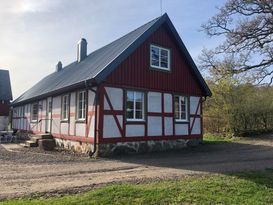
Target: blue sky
{"x": 35, "y": 35}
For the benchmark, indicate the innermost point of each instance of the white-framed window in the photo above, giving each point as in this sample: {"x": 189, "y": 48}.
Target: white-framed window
{"x": 181, "y": 108}
{"x": 135, "y": 106}
{"x": 34, "y": 111}
{"x": 159, "y": 57}
{"x": 50, "y": 106}
{"x": 65, "y": 107}
{"x": 81, "y": 105}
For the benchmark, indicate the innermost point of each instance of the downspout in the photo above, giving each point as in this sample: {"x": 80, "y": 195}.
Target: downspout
{"x": 95, "y": 124}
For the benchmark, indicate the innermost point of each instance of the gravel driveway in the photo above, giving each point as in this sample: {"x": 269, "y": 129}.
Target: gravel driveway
{"x": 28, "y": 172}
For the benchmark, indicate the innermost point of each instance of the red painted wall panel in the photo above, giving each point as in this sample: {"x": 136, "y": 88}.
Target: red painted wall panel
{"x": 135, "y": 70}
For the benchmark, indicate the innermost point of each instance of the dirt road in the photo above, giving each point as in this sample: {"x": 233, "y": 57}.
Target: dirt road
{"x": 25, "y": 172}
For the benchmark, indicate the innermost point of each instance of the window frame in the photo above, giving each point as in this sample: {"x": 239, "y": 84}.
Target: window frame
{"x": 32, "y": 105}
{"x": 83, "y": 112}
{"x": 134, "y": 119}
{"x": 180, "y": 110}
{"x": 168, "y": 69}
{"x": 63, "y": 118}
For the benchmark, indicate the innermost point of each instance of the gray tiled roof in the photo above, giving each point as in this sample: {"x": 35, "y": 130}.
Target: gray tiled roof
{"x": 100, "y": 63}
{"x": 5, "y": 87}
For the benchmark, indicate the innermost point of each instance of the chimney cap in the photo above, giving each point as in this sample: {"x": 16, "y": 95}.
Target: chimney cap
{"x": 82, "y": 40}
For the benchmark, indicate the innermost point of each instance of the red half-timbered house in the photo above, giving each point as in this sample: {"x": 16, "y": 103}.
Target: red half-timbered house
{"x": 140, "y": 93}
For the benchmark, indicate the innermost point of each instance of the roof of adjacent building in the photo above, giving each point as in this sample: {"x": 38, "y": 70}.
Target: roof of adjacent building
{"x": 5, "y": 86}
{"x": 100, "y": 63}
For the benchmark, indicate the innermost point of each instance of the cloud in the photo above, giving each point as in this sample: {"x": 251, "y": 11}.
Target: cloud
{"x": 27, "y": 6}
{"x": 36, "y": 34}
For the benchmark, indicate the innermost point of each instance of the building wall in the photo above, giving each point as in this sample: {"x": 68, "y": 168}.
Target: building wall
{"x": 4, "y": 115}
{"x": 160, "y": 87}
{"x": 71, "y": 129}
{"x": 159, "y": 117}
{"x": 136, "y": 72}
{"x": 4, "y": 108}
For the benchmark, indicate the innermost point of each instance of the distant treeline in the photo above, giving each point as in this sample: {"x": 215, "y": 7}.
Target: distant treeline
{"x": 239, "y": 109}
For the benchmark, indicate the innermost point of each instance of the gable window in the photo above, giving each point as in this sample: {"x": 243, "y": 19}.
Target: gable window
{"x": 34, "y": 111}
{"x": 160, "y": 57}
{"x": 65, "y": 107}
{"x": 135, "y": 106}
{"x": 81, "y": 105}
{"x": 181, "y": 108}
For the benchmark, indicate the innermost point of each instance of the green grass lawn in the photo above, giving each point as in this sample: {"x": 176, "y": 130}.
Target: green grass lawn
{"x": 216, "y": 139}
{"x": 242, "y": 188}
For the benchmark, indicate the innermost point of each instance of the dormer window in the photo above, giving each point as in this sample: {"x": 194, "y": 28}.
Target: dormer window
{"x": 160, "y": 58}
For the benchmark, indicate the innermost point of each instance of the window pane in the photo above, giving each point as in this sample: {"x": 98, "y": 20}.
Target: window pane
{"x": 83, "y": 96}
{"x": 138, "y": 96}
{"x": 50, "y": 106}
{"x": 155, "y": 56}
{"x": 183, "y": 109}
{"x": 182, "y": 100}
{"x": 80, "y": 105}
{"x": 130, "y": 96}
{"x": 81, "y": 108}
{"x": 35, "y": 111}
{"x": 83, "y": 114}
{"x": 79, "y": 114}
{"x": 80, "y": 96}
{"x": 139, "y": 114}
{"x": 130, "y": 114}
{"x": 164, "y": 64}
{"x": 155, "y": 62}
{"x": 155, "y": 53}
{"x": 183, "y": 115}
{"x": 164, "y": 59}
{"x": 164, "y": 53}
{"x": 138, "y": 105}
{"x": 84, "y": 102}
{"x": 66, "y": 104}
{"x": 129, "y": 105}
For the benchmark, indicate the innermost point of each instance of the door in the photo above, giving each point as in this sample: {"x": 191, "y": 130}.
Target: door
{"x": 48, "y": 115}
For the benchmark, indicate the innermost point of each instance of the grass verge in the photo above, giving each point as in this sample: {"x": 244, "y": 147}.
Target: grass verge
{"x": 241, "y": 188}
{"x": 218, "y": 139}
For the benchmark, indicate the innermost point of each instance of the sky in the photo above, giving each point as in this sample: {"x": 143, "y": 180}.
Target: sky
{"x": 36, "y": 34}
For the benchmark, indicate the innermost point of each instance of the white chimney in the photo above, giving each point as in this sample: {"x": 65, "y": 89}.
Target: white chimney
{"x": 59, "y": 66}
{"x": 81, "y": 50}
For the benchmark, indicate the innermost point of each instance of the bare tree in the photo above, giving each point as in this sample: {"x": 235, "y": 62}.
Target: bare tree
{"x": 247, "y": 26}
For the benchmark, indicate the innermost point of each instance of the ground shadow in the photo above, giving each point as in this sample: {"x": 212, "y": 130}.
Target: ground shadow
{"x": 230, "y": 158}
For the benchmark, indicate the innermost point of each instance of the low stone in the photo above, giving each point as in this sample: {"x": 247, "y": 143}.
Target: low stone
{"x": 193, "y": 142}
{"x": 123, "y": 149}
{"x": 119, "y": 148}
{"x": 180, "y": 144}
{"x": 167, "y": 145}
{"x": 157, "y": 147}
{"x": 143, "y": 147}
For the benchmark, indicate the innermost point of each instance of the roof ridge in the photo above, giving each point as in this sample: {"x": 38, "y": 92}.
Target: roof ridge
{"x": 122, "y": 36}
{"x": 155, "y": 19}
